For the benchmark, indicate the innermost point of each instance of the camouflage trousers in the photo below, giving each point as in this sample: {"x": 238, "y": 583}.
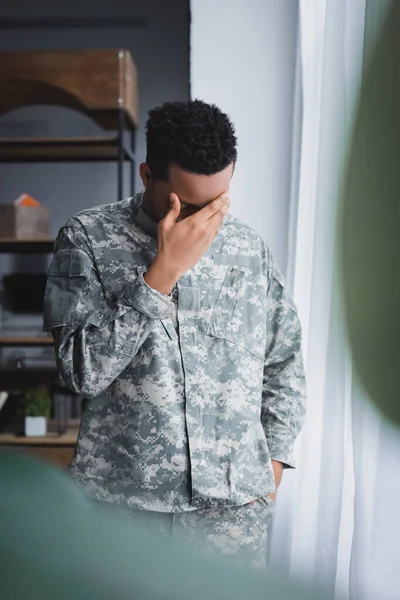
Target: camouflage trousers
{"x": 239, "y": 532}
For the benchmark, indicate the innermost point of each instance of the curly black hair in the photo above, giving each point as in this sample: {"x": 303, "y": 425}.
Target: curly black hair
{"x": 196, "y": 136}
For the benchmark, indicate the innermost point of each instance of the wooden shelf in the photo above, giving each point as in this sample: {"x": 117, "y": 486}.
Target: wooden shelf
{"x": 13, "y": 246}
{"x": 125, "y": 21}
{"x": 25, "y": 342}
{"x": 51, "y": 439}
{"x": 93, "y": 149}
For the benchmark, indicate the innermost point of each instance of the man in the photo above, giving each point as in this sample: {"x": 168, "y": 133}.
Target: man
{"x": 172, "y": 319}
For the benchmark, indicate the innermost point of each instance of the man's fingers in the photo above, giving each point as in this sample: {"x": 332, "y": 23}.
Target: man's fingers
{"x": 213, "y": 208}
{"x": 174, "y": 211}
{"x": 218, "y": 216}
{"x": 214, "y": 224}
{"x": 216, "y": 207}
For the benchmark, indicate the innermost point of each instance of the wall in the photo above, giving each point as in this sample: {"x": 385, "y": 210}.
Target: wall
{"x": 243, "y": 55}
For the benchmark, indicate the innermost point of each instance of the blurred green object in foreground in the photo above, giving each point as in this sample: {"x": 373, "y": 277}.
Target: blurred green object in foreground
{"x": 369, "y": 233}
{"x": 55, "y": 544}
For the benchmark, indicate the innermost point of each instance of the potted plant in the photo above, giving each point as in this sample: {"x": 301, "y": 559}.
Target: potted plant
{"x": 36, "y": 409}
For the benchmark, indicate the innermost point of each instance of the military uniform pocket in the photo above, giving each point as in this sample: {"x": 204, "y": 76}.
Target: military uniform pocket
{"x": 67, "y": 281}
{"x": 226, "y": 302}
{"x": 239, "y": 314}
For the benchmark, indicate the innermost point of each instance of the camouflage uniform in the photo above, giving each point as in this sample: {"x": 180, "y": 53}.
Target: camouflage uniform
{"x": 239, "y": 532}
{"x": 188, "y": 397}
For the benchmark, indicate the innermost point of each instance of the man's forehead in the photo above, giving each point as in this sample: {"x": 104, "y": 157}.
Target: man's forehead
{"x": 197, "y": 191}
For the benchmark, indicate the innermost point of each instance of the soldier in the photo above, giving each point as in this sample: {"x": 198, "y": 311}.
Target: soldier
{"x": 172, "y": 319}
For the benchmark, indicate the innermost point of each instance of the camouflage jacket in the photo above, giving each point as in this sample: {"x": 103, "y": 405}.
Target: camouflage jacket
{"x": 175, "y": 417}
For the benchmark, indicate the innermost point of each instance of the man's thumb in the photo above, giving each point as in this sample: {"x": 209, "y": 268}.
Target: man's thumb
{"x": 175, "y": 209}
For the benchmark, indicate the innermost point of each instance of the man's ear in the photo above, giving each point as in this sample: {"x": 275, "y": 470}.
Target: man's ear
{"x": 145, "y": 174}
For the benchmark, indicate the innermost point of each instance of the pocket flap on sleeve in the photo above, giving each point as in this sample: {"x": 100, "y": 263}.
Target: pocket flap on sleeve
{"x": 70, "y": 263}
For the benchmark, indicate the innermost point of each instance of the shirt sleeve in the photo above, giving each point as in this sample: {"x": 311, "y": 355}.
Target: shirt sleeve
{"x": 95, "y": 342}
{"x": 284, "y": 390}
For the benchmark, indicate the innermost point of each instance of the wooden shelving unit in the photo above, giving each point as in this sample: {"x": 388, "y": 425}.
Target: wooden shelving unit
{"x": 64, "y": 150}
{"x": 102, "y": 84}
{"x": 57, "y": 449}
{"x": 13, "y": 379}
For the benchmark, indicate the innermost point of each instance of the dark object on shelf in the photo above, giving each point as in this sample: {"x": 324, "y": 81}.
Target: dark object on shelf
{"x": 16, "y": 360}
{"x": 10, "y": 420}
{"x": 101, "y": 84}
{"x": 62, "y": 402}
{"x": 13, "y": 246}
{"x": 65, "y": 405}
{"x": 24, "y": 222}
{"x": 60, "y": 407}
{"x": 24, "y": 292}
{"x": 11, "y": 379}
{"x": 78, "y": 405}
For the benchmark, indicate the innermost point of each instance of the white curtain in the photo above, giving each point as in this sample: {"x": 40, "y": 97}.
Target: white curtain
{"x": 336, "y": 514}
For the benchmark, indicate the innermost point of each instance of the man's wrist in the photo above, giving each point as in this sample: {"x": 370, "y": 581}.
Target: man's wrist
{"x": 160, "y": 277}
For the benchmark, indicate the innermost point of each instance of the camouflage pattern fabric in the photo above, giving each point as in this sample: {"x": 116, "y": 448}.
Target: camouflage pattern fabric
{"x": 178, "y": 416}
{"x": 238, "y": 532}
